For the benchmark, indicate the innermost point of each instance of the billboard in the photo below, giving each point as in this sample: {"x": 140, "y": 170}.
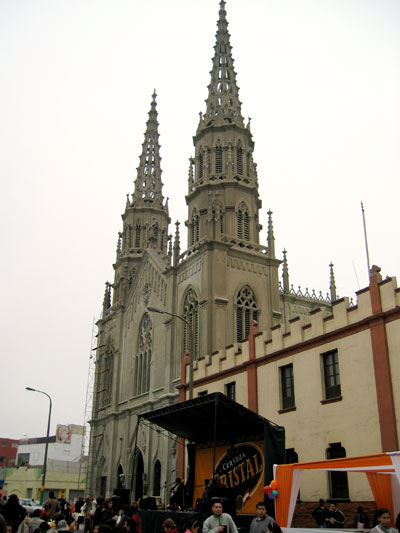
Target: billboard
{"x": 239, "y": 474}
{"x": 63, "y": 434}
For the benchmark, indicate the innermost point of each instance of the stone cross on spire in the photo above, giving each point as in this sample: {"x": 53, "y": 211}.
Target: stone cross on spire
{"x": 148, "y": 185}
{"x": 223, "y": 104}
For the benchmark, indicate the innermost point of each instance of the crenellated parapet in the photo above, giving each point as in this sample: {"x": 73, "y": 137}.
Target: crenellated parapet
{"x": 302, "y": 331}
{"x": 344, "y": 314}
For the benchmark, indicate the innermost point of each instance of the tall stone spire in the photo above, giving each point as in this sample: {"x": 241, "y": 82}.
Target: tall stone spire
{"x": 223, "y": 104}
{"x": 332, "y": 285}
{"x": 148, "y": 185}
{"x": 271, "y": 238}
{"x": 223, "y": 200}
{"x": 285, "y": 273}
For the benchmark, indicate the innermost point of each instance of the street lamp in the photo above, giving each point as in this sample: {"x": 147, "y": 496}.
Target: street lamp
{"x": 156, "y": 310}
{"x": 47, "y": 443}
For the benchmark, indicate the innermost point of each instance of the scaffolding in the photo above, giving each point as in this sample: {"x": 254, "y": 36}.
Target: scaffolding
{"x": 85, "y": 463}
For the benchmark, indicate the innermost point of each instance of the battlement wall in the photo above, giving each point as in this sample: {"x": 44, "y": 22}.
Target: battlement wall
{"x": 302, "y": 329}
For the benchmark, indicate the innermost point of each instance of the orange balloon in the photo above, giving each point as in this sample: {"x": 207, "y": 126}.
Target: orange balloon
{"x": 274, "y": 484}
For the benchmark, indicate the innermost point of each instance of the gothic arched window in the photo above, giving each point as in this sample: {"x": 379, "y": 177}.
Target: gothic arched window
{"x": 157, "y": 478}
{"x": 218, "y": 159}
{"x": 191, "y": 314}
{"x": 138, "y": 231}
{"x": 246, "y": 311}
{"x": 239, "y": 158}
{"x": 243, "y": 222}
{"x": 141, "y": 377}
{"x": 200, "y": 165}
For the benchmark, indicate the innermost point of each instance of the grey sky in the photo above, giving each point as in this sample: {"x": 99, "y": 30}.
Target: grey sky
{"x": 321, "y": 81}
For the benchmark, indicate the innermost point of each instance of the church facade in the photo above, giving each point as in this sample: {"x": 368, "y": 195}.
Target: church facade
{"x": 208, "y": 294}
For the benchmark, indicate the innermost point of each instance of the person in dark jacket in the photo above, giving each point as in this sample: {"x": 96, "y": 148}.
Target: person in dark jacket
{"x": 336, "y": 518}
{"x": 361, "y": 519}
{"x": 320, "y": 514}
{"x": 13, "y": 512}
{"x": 107, "y": 516}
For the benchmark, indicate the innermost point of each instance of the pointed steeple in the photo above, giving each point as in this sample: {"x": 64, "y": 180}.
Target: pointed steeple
{"x": 332, "y": 285}
{"x": 177, "y": 247}
{"x": 271, "y": 238}
{"x": 223, "y": 104}
{"x": 285, "y": 274}
{"x": 148, "y": 185}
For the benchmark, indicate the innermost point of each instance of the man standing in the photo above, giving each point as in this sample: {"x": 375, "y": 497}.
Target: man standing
{"x": 262, "y": 521}
{"x": 219, "y": 522}
{"x": 320, "y": 514}
{"x": 336, "y": 518}
{"x": 51, "y": 505}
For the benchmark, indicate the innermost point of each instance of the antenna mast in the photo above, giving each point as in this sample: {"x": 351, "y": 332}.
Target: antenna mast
{"x": 365, "y": 236}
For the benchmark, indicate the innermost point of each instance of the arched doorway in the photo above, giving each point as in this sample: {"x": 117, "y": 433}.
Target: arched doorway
{"x": 137, "y": 478}
{"x": 120, "y": 478}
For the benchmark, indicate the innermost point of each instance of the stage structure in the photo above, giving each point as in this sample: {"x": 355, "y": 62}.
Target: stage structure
{"x": 226, "y": 442}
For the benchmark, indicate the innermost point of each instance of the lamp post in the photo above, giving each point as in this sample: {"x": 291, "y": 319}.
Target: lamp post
{"x": 47, "y": 443}
{"x": 156, "y": 310}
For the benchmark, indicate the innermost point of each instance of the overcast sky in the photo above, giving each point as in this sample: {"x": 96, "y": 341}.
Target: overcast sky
{"x": 320, "y": 80}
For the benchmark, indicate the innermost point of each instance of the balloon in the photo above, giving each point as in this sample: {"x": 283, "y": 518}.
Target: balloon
{"x": 275, "y": 493}
{"x": 265, "y": 489}
{"x": 274, "y": 484}
{"x": 270, "y": 496}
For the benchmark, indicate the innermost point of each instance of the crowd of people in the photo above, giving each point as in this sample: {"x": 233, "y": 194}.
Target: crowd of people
{"x": 334, "y": 518}
{"x": 59, "y": 516}
{"x": 110, "y": 515}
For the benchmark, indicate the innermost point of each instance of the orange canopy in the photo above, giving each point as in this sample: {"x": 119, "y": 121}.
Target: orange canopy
{"x": 382, "y": 469}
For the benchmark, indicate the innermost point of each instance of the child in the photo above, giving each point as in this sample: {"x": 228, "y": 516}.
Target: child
{"x": 383, "y": 526}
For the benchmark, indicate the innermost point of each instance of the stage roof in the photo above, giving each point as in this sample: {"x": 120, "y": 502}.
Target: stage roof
{"x": 194, "y": 419}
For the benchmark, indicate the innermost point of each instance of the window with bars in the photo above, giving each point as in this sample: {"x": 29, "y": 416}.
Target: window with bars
{"x": 240, "y": 224}
{"x": 246, "y": 311}
{"x": 200, "y": 165}
{"x": 230, "y": 390}
{"x": 331, "y": 374}
{"x": 191, "y": 314}
{"x": 141, "y": 377}
{"x": 218, "y": 159}
{"x": 137, "y": 235}
{"x": 338, "y": 482}
{"x": 287, "y": 386}
{"x": 243, "y": 230}
{"x": 239, "y": 159}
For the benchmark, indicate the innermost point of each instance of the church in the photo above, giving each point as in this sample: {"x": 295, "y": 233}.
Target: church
{"x": 172, "y": 302}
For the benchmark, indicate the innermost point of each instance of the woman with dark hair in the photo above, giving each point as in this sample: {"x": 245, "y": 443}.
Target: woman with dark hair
{"x": 361, "y": 519}
{"x": 384, "y": 517}
{"x": 134, "y": 513}
{"x": 107, "y": 514}
{"x": 13, "y": 512}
